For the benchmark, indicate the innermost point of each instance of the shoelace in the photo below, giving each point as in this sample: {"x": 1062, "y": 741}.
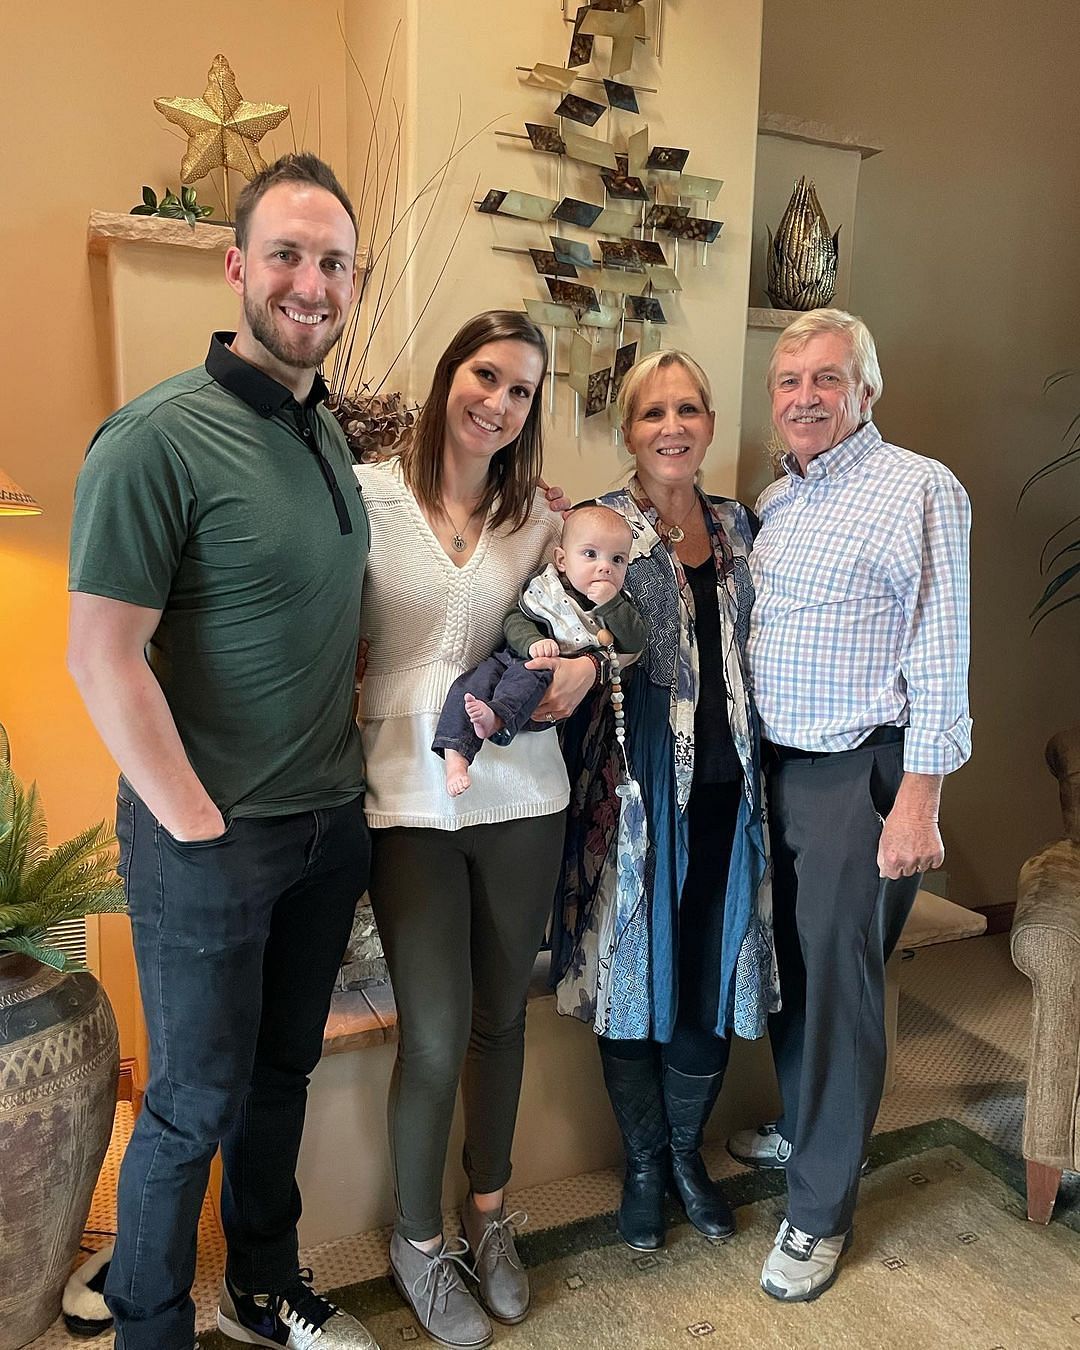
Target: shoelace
{"x": 798, "y": 1244}
{"x": 301, "y": 1304}
{"x": 498, "y": 1237}
{"x": 439, "y": 1278}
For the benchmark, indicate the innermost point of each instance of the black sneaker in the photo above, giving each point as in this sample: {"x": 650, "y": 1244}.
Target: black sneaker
{"x": 293, "y": 1319}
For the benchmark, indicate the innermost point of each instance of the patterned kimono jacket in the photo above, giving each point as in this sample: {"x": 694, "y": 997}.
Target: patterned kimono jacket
{"x": 619, "y": 972}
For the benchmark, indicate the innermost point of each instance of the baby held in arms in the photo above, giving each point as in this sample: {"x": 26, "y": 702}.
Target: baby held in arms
{"x": 562, "y": 612}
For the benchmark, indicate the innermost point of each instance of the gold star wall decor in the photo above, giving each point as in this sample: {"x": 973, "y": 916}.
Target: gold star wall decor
{"x": 222, "y": 128}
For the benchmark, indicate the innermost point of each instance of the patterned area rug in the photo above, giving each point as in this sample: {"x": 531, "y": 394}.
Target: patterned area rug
{"x": 943, "y": 1258}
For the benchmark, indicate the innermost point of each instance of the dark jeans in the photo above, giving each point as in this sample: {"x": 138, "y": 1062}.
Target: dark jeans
{"x": 237, "y": 944}
{"x": 461, "y": 914}
{"x": 836, "y": 923}
{"x": 505, "y": 684}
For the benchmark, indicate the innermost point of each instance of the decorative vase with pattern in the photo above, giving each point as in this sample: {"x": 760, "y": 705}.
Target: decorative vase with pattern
{"x": 59, "y": 1058}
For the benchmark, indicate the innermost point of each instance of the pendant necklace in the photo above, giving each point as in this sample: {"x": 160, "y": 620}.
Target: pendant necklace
{"x": 457, "y": 542}
{"x": 675, "y": 534}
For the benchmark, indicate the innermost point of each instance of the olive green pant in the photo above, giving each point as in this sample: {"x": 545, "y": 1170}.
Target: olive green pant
{"x": 461, "y": 914}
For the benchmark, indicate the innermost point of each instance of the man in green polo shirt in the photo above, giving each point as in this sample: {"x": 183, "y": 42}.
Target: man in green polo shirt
{"x": 217, "y": 555}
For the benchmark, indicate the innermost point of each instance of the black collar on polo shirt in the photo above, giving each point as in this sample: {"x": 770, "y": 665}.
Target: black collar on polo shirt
{"x": 258, "y": 390}
{"x": 269, "y": 398}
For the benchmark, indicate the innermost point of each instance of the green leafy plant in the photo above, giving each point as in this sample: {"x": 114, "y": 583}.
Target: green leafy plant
{"x": 172, "y": 207}
{"x": 1065, "y": 540}
{"x": 42, "y": 886}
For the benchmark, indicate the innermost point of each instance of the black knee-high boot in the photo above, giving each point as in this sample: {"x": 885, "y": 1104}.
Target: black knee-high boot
{"x": 688, "y": 1103}
{"x": 634, "y": 1086}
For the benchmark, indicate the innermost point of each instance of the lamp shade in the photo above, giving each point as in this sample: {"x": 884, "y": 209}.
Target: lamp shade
{"x": 14, "y": 501}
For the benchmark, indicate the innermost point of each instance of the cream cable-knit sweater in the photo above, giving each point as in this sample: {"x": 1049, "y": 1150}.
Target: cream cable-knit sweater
{"x": 427, "y": 622}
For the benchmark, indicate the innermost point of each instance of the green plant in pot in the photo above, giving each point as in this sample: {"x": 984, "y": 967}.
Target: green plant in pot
{"x": 59, "y": 1054}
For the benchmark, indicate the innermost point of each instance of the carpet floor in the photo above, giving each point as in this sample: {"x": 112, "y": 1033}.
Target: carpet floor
{"x": 947, "y": 1261}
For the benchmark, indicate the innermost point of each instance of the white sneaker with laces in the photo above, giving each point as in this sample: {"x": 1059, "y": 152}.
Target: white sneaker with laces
{"x": 764, "y": 1147}
{"x": 800, "y": 1266}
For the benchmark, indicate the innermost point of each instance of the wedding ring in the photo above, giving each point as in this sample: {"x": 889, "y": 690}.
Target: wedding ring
{"x": 550, "y": 718}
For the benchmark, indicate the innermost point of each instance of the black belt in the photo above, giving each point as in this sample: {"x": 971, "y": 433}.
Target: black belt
{"x": 879, "y": 736}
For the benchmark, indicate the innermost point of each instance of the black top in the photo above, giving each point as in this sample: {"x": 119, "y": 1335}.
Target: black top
{"x": 715, "y": 757}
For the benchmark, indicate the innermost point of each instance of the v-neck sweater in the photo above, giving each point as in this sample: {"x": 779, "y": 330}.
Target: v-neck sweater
{"x": 427, "y": 622}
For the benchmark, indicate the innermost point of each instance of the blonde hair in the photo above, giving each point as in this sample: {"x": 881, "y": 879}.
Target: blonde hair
{"x": 639, "y": 372}
{"x": 864, "y": 357}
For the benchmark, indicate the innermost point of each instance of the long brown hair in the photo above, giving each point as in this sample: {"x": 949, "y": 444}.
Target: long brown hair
{"x": 514, "y": 470}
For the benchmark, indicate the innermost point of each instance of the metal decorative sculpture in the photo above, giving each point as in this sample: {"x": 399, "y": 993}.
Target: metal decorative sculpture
{"x": 803, "y": 255}
{"x": 630, "y": 191}
{"x": 222, "y": 127}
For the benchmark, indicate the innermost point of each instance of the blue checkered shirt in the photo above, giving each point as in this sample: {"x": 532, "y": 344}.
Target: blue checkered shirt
{"x": 861, "y": 611}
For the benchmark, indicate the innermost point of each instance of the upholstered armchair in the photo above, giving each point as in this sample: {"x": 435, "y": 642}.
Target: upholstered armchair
{"x": 1046, "y": 947}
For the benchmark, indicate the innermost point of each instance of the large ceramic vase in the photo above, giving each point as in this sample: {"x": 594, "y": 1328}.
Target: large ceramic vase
{"x": 59, "y": 1057}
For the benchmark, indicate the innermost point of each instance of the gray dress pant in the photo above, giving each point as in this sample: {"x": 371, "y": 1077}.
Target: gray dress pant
{"x": 837, "y": 922}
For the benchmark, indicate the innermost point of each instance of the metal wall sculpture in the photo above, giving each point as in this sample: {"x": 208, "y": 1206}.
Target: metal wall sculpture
{"x": 803, "y": 256}
{"x": 608, "y": 292}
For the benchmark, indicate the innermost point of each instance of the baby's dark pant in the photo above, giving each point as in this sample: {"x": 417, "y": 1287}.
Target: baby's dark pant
{"x": 505, "y": 684}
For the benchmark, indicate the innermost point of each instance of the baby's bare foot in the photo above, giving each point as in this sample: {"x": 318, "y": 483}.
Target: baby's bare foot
{"x": 485, "y": 721}
{"x": 457, "y": 773}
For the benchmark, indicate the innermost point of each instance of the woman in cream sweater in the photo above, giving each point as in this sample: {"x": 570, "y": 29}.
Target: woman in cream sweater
{"x": 461, "y": 886}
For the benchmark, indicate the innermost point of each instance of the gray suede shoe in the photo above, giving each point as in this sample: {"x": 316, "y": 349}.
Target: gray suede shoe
{"x": 431, "y": 1285}
{"x": 504, "y": 1286}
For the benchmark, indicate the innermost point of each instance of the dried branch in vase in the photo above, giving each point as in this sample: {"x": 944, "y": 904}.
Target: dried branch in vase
{"x": 375, "y": 422}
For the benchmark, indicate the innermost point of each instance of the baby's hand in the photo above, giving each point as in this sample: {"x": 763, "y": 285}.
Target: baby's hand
{"x": 600, "y": 592}
{"x": 545, "y": 647}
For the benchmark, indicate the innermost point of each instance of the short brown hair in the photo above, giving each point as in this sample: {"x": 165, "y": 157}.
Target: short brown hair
{"x": 304, "y": 168}
{"x": 515, "y": 469}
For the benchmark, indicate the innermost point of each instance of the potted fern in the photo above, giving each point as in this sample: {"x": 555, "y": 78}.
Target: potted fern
{"x": 59, "y": 1054}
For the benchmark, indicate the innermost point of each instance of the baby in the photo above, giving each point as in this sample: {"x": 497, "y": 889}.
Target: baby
{"x": 560, "y": 613}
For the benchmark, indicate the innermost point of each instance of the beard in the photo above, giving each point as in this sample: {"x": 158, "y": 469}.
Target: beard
{"x": 300, "y": 355}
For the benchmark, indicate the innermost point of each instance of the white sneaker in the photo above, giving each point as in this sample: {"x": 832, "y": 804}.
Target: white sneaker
{"x": 764, "y": 1147}
{"x": 801, "y": 1266}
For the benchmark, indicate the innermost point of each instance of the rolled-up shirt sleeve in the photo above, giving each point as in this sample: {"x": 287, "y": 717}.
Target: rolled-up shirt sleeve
{"x": 934, "y": 655}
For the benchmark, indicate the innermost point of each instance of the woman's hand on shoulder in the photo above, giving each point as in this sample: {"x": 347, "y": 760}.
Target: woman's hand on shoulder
{"x": 573, "y": 677}
{"x": 557, "y": 499}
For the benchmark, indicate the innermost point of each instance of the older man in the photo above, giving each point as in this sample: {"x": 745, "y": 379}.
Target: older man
{"x": 859, "y": 652}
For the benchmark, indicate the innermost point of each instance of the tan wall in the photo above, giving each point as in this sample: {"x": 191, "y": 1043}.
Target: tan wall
{"x": 966, "y": 268}
{"x": 81, "y": 133}
{"x": 79, "y": 91}
{"x": 707, "y": 102}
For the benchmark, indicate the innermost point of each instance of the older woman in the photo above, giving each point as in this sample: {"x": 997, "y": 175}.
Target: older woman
{"x": 666, "y": 984}
{"x": 461, "y": 886}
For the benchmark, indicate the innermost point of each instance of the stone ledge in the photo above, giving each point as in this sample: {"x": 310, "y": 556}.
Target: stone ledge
{"x": 108, "y": 228}
{"x": 814, "y": 133}
{"x": 770, "y": 318}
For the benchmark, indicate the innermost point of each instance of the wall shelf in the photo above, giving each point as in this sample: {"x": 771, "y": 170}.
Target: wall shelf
{"x": 107, "y": 228}
{"x": 814, "y": 133}
{"x": 770, "y": 318}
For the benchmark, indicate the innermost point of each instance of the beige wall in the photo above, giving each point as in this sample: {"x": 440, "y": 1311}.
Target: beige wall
{"x": 467, "y": 51}
{"x": 967, "y": 269}
{"x": 81, "y": 132}
{"x": 79, "y": 90}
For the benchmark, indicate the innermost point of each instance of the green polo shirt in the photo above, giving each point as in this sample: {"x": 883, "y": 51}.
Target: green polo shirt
{"x": 216, "y": 498}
